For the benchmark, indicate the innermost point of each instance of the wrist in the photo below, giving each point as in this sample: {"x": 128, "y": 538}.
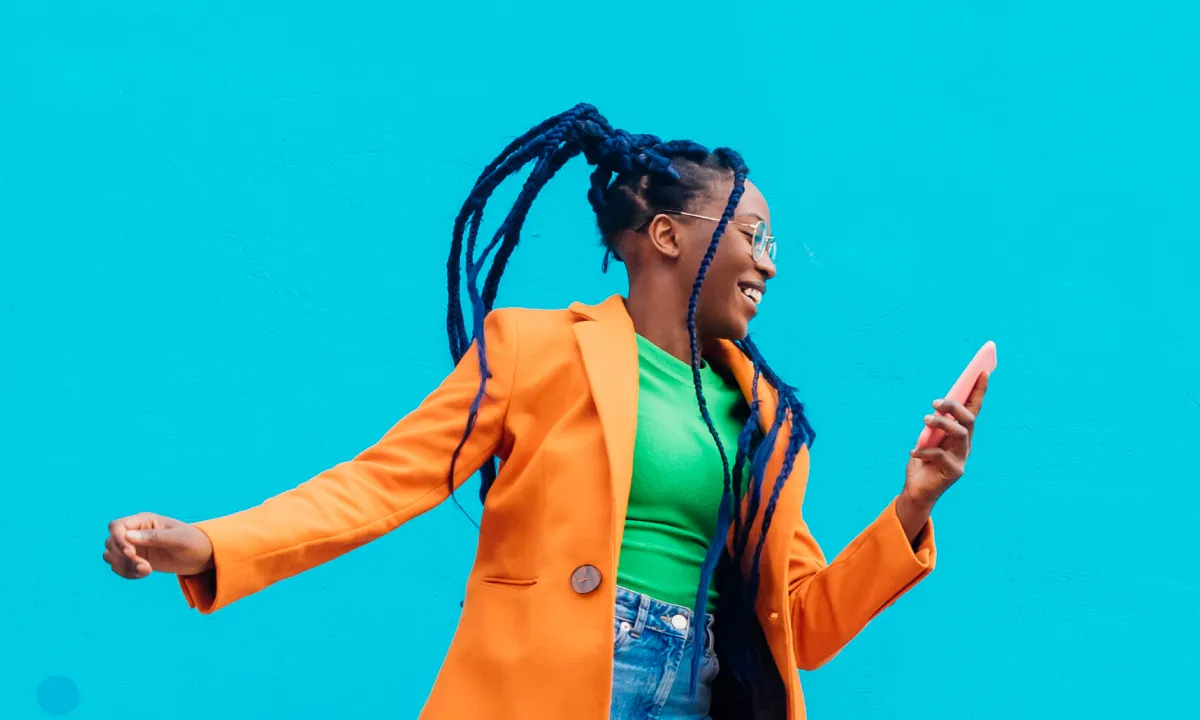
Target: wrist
{"x": 919, "y": 500}
{"x": 207, "y": 550}
{"x": 913, "y": 511}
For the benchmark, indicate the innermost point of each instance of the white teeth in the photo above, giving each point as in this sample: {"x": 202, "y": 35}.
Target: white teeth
{"x": 754, "y": 294}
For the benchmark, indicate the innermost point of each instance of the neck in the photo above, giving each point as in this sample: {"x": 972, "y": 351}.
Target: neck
{"x": 660, "y": 315}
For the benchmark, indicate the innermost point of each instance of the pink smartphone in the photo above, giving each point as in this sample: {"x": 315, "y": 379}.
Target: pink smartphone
{"x": 984, "y": 361}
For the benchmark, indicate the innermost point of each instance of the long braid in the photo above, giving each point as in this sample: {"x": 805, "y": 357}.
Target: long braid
{"x": 759, "y": 454}
{"x": 787, "y": 393}
{"x": 552, "y": 143}
{"x": 726, "y": 507}
{"x": 511, "y": 228}
{"x": 745, "y": 440}
{"x": 455, "y": 325}
{"x": 516, "y": 220}
{"x": 488, "y": 470}
{"x": 800, "y": 434}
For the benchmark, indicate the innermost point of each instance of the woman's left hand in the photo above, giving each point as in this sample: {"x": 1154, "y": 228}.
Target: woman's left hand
{"x": 931, "y": 471}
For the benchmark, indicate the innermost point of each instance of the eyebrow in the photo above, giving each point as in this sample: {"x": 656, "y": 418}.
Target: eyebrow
{"x": 755, "y": 215}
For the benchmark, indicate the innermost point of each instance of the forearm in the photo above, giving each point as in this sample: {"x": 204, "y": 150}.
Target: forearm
{"x": 336, "y": 512}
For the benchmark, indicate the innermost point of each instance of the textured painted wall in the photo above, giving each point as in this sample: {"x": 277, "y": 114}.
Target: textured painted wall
{"x": 222, "y": 235}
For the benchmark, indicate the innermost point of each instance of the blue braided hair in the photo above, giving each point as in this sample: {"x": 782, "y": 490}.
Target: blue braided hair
{"x": 636, "y": 177}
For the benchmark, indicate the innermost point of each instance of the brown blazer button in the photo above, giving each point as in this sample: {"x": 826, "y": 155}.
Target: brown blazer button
{"x": 585, "y": 579}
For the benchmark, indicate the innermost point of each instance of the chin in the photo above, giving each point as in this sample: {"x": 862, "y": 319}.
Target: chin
{"x": 733, "y": 330}
{"x": 728, "y": 325}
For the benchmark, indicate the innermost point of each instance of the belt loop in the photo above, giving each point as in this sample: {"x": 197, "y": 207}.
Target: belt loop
{"x": 643, "y": 613}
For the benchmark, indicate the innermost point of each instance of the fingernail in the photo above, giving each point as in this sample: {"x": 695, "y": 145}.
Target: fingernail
{"x": 928, "y": 418}
{"x": 133, "y": 535}
{"x": 937, "y": 403}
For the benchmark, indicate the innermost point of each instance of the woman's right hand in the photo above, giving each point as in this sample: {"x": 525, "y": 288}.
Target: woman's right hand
{"x": 144, "y": 543}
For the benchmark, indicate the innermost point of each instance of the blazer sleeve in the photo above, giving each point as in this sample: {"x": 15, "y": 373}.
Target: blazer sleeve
{"x": 831, "y": 603}
{"x": 403, "y": 475}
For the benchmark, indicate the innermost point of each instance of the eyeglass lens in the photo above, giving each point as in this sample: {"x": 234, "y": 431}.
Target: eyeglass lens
{"x": 761, "y": 243}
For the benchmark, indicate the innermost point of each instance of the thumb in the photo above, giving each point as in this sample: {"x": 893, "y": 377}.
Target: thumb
{"x": 166, "y": 538}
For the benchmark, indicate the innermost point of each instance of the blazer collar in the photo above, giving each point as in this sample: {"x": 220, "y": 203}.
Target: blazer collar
{"x": 608, "y": 345}
{"x": 619, "y": 340}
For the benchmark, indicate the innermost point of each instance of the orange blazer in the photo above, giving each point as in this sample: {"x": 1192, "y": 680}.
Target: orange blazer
{"x": 561, "y": 413}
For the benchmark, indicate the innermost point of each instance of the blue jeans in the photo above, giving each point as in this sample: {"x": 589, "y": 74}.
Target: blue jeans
{"x": 652, "y": 661}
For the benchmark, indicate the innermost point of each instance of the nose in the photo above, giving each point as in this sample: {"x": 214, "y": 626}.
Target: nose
{"x": 765, "y": 266}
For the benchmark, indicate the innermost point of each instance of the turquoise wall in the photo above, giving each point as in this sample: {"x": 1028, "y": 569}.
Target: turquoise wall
{"x": 223, "y": 230}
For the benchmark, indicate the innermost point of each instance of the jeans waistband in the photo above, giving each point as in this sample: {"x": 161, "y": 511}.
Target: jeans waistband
{"x": 644, "y": 613}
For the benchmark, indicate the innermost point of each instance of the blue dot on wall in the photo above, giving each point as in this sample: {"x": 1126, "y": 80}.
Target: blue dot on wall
{"x": 58, "y": 695}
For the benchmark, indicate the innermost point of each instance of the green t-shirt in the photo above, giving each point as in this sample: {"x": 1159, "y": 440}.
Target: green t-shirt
{"x": 677, "y": 476}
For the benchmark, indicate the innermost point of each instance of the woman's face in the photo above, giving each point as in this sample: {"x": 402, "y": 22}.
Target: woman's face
{"x": 736, "y": 283}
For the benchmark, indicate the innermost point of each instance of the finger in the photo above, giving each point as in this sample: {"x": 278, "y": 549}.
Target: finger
{"x": 131, "y": 572}
{"x": 124, "y": 564}
{"x": 121, "y": 526}
{"x": 133, "y": 568}
{"x": 965, "y": 417}
{"x": 927, "y": 454}
{"x": 111, "y": 547}
{"x": 168, "y": 538}
{"x": 116, "y": 533}
{"x": 125, "y": 567}
{"x": 948, "y": 425}
{"x": 975, "y": 401}
{"x": 126, "y": 552}
{"x": 937, "y": 456}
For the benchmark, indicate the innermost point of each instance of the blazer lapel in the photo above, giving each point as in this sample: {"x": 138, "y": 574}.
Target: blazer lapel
{"x": 727, "y": 354}
{"x": 609, "y": 348}
{"x": 732, "y": 357}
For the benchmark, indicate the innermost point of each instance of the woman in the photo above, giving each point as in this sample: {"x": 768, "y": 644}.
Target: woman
{"x": 637, "y": 558}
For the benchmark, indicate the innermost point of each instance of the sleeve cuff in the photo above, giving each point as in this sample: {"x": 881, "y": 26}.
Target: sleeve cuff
{"x": 209, "y": 591}
{"x": 199, "y": 590}
{"x": 905, "y": 564}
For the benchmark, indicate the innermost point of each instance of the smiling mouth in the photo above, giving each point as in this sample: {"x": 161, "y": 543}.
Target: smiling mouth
{"x": 752, "y": 294}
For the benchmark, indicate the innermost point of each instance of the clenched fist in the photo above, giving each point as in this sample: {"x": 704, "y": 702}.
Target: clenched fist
{"x": 144, "y": 543}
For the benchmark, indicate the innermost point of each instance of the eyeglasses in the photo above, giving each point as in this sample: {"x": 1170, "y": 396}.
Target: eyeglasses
{"x": 764, "y": 244}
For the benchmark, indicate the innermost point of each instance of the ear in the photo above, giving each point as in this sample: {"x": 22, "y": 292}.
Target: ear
{"x": 665, "y": 237}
